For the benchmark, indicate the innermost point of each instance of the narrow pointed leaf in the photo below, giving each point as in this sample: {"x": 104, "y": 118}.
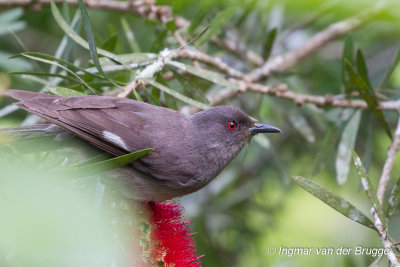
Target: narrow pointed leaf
{"x": 347, "y": 55}
{"x": 8, "y": 110}
{"x": 90, "y": 36}
{"x": 203, "y": 31}
{"x": 178, "y": 95}
{"x": 96, "y": 159}
{"x": 334, "y": 201}
{"x": 65, "y": 12}
{"x": 249, "y": 8}
{"x": 269, "y": 43}
{"x": 362, "y": 67}
{"x": 368, "y": 95}
{"x": 106, "y": 165}
{"x": 47, "y": 74}
{"x": 41, "y": 59}
{"x": 189, "y": 87}
{"x": 10, "y": 15}
{"x": 300, "y": 123}
{"x": 390, "y": 70}
{"x": 368, "y": 187}
{"x": 217, "y": 23}
{"x": 130, "y": 59}
{"x": 158, "y": 43}
{"x": 324, "y": 156}
{"x": 65, "y": 63}
{"x": 346, "y": 145}
{"x": 130, "y": 36}
{"x": 198, "y": 18}
{"x": 65, "y": 92}
{"x": 394, "y": 199}
{"x": 204, "y": 74}
{"x": 110, "y": 43}
{"x": 74, "y": 36}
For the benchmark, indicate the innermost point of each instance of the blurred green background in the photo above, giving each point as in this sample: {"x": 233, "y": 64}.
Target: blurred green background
{"x": 253, "y": 206}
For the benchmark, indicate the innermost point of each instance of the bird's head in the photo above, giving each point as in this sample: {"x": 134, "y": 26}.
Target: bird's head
{"x": 226, "y": 129}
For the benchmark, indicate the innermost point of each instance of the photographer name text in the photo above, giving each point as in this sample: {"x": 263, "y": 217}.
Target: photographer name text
{"x": 326, "y": 251}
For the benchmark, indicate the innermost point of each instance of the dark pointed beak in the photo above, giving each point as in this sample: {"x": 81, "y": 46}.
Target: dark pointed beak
{"x": 263, "y": 128}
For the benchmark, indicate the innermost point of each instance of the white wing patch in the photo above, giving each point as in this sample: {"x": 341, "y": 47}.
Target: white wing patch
{"x": 115, "y": 139}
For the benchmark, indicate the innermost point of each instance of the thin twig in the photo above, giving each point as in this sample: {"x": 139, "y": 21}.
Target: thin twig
{"x": 144, "y": 8}
{"x": 281, "y": 91}
{"x": 217, "y": 63}
{"x": 387, "y": 168}
{"x": 379, "y": 225}
{"x": 233, "y": 47}
{"x": 129, "y": 88}
{"x": 284, "y": 61}
{"x": 383, "y": 234}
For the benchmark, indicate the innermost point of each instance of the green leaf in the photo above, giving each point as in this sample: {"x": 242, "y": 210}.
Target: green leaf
{"x": 189, "y": 87}
{"x": 300, "y": 123}
{"x": 202, "y": 11}
{"x": 249, "y": 8}
{"x": 74, "y": 36}
{"x": 217, "y": 23}
{"x": 177, "y": 95}
{"x": 96, "y": 159}
{"x": 345, "y": 147}
{"x": 394, "y": 199}
{"x": 334, "y": 201}
{"x": 11, "y": 15}
{"x": 324, "y": 155}
{"x": 158, "y": 43}
{"x": 65, "y": 92}
{"x": 367, "y": 93}
{"x": 369, "y": 142}
{"x": 269, "y": 43}
{"x": 127, "y": 59}
{"x": 106, "y": 165}
{"x": 65, "y": 12}
{"x": 45, "y": 74}
{"x": 110, "y": 43}
{"x": 130, "y": 36}
{"x": 90, "y": 36}
{"x": 9, "y": 23}
{"x": 362, "y": 67}
{"x": 368, "y": 187}
{"x": 390, "y": 70}
{"x": 67, "y": 46}
{"x": 71, "y": 67}
{"x": 347, "y": 55}
{"x": 205, "y": 74}
{"x": 171, "y": 26}
{"x": 51, "y": 62}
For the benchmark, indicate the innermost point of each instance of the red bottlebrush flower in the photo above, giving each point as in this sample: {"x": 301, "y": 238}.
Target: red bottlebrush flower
{"x": 172, "y": 242}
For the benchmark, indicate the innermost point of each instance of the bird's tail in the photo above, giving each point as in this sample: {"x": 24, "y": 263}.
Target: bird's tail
{"x": 33, "y": 138}
{"x": 31, "y": 131}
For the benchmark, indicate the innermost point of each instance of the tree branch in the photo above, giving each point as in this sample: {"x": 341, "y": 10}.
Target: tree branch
{"x": 144, "y": 8}
{"x": 209, "y": 60}
{"x": 281, "y": 91}
{"x": 387, "y": 244}
{"x": 387, "y": 168}
{"x": 284, "y": 61}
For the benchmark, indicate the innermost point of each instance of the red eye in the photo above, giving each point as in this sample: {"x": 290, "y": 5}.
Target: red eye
{"x": 231, "y": 125}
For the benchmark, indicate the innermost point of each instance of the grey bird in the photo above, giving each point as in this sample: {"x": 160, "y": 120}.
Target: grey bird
{"x": 189, "y": 151}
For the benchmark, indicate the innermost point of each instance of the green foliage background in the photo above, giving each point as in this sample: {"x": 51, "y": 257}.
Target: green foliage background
{"x": 253, "y": 205}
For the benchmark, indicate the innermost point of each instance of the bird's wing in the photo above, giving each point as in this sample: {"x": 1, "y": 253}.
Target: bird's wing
{"x": 117, "y": 126}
